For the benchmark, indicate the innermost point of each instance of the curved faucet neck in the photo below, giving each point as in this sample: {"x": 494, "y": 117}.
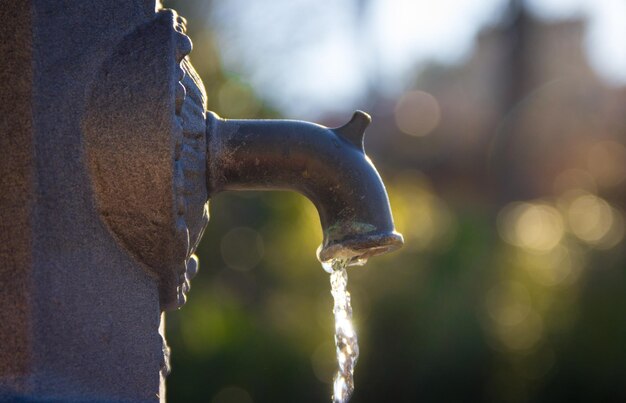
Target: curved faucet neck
{"x": 328, "y": 166}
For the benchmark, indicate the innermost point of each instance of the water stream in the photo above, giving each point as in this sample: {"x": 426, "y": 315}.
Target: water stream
{"x": 346, "y": 342}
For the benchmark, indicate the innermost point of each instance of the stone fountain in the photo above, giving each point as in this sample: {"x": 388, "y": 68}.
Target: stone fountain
{"x": 109, "y": 160}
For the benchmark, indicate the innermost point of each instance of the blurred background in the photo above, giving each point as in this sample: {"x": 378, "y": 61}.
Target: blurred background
{"x": 499, "y": 127}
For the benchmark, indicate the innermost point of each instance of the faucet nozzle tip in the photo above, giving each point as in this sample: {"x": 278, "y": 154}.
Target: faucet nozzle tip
{"x": 358, "y": 249}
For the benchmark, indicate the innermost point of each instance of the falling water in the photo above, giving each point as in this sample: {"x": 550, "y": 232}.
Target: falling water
{"x": 345, "y": 338}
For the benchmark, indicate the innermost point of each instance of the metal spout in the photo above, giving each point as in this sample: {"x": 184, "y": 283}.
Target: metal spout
{"x": 328, "y": 166}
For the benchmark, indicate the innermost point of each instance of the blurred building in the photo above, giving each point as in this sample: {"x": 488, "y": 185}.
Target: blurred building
{"x": 524, "y": 108}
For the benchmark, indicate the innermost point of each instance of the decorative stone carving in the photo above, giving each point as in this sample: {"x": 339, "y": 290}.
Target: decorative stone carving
{"x": 145, "y": 142}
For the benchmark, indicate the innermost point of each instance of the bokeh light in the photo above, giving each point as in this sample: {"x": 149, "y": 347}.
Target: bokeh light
{"x": 558, "y": 266}
{"x": 594, "y": 221}
{"x": 536, "y": 227}
{"x": 417, "y": 113}
{"x": 242, "y": 248}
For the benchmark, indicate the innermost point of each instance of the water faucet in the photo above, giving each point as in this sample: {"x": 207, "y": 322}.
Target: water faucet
{"x": 147, "y": 122}
{"x": 328, "y": 166}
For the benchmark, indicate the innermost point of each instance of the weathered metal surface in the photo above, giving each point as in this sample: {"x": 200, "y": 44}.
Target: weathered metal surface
{"x": 329, "y": 166}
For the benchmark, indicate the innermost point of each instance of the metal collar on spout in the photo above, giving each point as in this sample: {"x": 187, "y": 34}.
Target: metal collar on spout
{"x": 328, "y": 166}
